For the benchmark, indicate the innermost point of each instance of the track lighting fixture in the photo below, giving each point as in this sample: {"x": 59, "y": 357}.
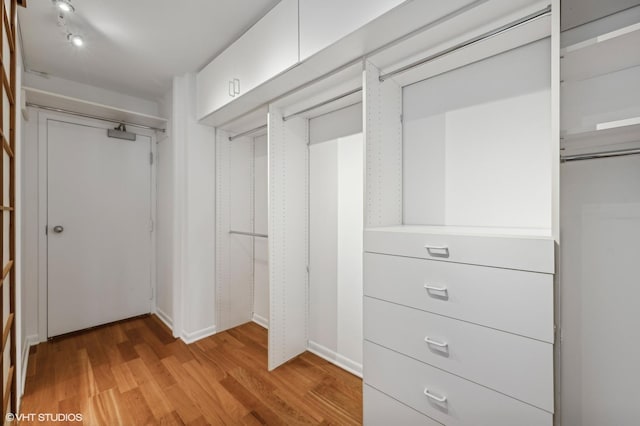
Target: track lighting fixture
{"x": 64, "y": 5}
{"x": 75, "y": 39}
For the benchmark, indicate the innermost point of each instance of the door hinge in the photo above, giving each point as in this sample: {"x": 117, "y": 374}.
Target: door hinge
{"x": 151, "y": 226}
{"x": 46, "y": 230}
{"x": 151, "y": 158}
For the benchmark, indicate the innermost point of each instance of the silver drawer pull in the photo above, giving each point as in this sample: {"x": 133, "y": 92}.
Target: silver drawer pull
{"x": 431, "y": 288}
{"x": 434, "y": 397}
{"x": 430, "y": 341}
{"x": 437, "y": 251}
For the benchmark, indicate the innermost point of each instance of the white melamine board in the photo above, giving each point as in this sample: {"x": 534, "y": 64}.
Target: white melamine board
{"x": 323, "y": 237}
{"x": 599, "y": 291}
{"x": 55, "y": 100}
{"x": 606, "y": 53}
{"x": 383, "y": 149}
{"x": 518, "y": 367}
{"x": 321, "y": 25}
{"x": 467, "y": 403}
{"x": 345, "y": 121}
{"x": 481, "y": 156}
{"x": 588, "y": 103}
{"x": 288, "y": 233}
{"x": 605, "y": 25}
{"x": 264, "y": 51}
{"x": 241, "y": 184}
{"x": 382, "y": 410}
{"x": 576, "y": 13}
{"x": 513, "y": 301}
{"x": 350, "y": 246}
{"x": 260, "y": 208}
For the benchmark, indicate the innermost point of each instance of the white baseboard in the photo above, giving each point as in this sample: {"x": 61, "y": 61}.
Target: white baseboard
{"x": 261, "y": 321}
{"x": 166, "y": 319}
{"x": 28, "y": 342}
{"x": 335, "y": 358}
{"x": 192, "y": 337}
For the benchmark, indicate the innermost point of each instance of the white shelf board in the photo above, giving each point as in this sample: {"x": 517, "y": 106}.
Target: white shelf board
{"x": 75, "y": 105}
{"x": 467, "y": 230}
{"x": 604, "y": 54}
{"x": 625, "y": 130}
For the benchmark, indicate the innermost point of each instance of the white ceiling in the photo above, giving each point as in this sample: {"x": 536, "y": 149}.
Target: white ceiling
{"x": 133, "y": 46}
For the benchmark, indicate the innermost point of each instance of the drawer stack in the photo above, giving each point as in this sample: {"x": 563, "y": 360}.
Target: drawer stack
{"x": 458, "y": 329}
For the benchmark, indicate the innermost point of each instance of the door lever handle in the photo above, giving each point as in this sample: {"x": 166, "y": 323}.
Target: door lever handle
{"x": 58, "y": 229}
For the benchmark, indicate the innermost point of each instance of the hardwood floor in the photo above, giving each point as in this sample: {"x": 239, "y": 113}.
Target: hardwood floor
{"x": 136, "y": 373}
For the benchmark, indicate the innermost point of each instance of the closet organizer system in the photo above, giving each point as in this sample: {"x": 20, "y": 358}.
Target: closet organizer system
{"x": 460, "y": 218}
{"x": 600, "y": 221}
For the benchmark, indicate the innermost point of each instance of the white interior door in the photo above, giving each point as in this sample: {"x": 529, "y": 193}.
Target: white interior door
{"x": 99, "y": 227}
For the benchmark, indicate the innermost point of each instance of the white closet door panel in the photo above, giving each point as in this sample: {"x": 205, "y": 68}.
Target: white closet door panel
{"x": 466, "y": 403}
{"x": 510, "y": 364}
{"x": 523, "y": 253}
{"x": 349, "y": 249}
{"x": 514, "y": 301}
{"x": 261, "y": 246}
{"x": 382, "y": 410}
{"x": 323, "y": 253}
{"x": 288, "y": 233}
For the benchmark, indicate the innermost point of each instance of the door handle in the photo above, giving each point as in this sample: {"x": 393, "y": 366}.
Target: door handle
{"x": 437, "y": 251}
{"x": 236, "y": 87}
{"x": 232, "y": 90}
{"x": 436, "y": 398}
{"x": 58, "y": 229}
{"x": 430, "y": 341}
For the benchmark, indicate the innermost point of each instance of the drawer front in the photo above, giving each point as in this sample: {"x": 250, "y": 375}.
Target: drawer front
{"x": 514, "y": 301}
{"x": 513, "y": 365}
{"x": 444, "y": 397}
{"x": 382, "y": 410}
{"x": 527, "y": 254}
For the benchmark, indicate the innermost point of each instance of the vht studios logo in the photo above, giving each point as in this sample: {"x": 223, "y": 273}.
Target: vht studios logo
{"x": 44, "y": 417}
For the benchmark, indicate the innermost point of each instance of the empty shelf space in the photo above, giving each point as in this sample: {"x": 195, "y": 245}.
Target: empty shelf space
{"x": 618, "y": 131}
{"x": 603, "y": 54}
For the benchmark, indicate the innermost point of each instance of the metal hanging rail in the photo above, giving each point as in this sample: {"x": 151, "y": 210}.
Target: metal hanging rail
{"x": 497, "y": 31}
{"x": 95, "y": 117}
{"x": 604, "y": 154}
{"x": 250, "y": 234}
{"x": 248, "y": 132}
{"x": 321, "y": 104}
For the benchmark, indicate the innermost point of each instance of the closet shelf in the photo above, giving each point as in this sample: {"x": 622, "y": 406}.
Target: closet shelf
{"x": 604, "y": 54}
{"x": 535, "y": 233}
{"x": 611, "y": 132}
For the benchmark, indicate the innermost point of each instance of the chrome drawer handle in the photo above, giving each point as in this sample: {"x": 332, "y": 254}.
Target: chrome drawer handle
{"x": 430, "y": 341}
{"x": 431, "y": 288}
{"x": 437, "y": 251}
{"x": 435, "y": 397}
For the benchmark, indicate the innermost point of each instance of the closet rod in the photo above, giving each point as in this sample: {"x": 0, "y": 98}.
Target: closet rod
{"x": 321, "y": 104}
{"x": 511, "y": 25}
{"x": 95, "y": 117}
{"x": 248, "y": 132}
{"x": 604, "y": 154}
{"x": 250, "y": 234}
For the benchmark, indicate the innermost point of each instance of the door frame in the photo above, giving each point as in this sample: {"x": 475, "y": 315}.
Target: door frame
{"x": 42, "y": 118}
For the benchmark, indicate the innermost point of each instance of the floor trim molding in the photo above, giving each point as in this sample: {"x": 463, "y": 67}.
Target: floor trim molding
{"x": 335, "y": 358}
{"x": 260, "y": 320}
{"x": 194, "y": 336}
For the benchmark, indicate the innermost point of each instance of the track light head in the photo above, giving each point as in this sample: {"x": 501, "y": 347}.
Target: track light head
{"x": 64, "y": 5}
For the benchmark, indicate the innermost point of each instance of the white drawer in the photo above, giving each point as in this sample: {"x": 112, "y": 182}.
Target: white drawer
{"x": 465, "y": 403}
{"x": 513, "y": 252}
{"x": 382, "y": 410}
{"x": 514, "y": 301}
{"x": 513, "y": 365}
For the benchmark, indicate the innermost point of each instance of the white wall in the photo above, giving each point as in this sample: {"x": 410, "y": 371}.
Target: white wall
{"x": 336, "y": 225}
{"x": 193, "y": 158}
{"x": 164, "y": 217}
{"x": 90, "y": 93}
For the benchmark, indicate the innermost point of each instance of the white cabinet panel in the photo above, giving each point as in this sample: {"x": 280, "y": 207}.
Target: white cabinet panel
{"x": 514, "y": 301}
{"x": 525, "y": 253}
{"x": 382, "y": 410}
{"x": 513, "y": 365}
{"x": 267, "y": 49}
{"x": 322, "y": 23}
{"x": 453, "y": 401}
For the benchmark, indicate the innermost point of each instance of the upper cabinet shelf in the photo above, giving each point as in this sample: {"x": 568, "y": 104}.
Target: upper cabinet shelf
{"x": 606, "y": 53}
